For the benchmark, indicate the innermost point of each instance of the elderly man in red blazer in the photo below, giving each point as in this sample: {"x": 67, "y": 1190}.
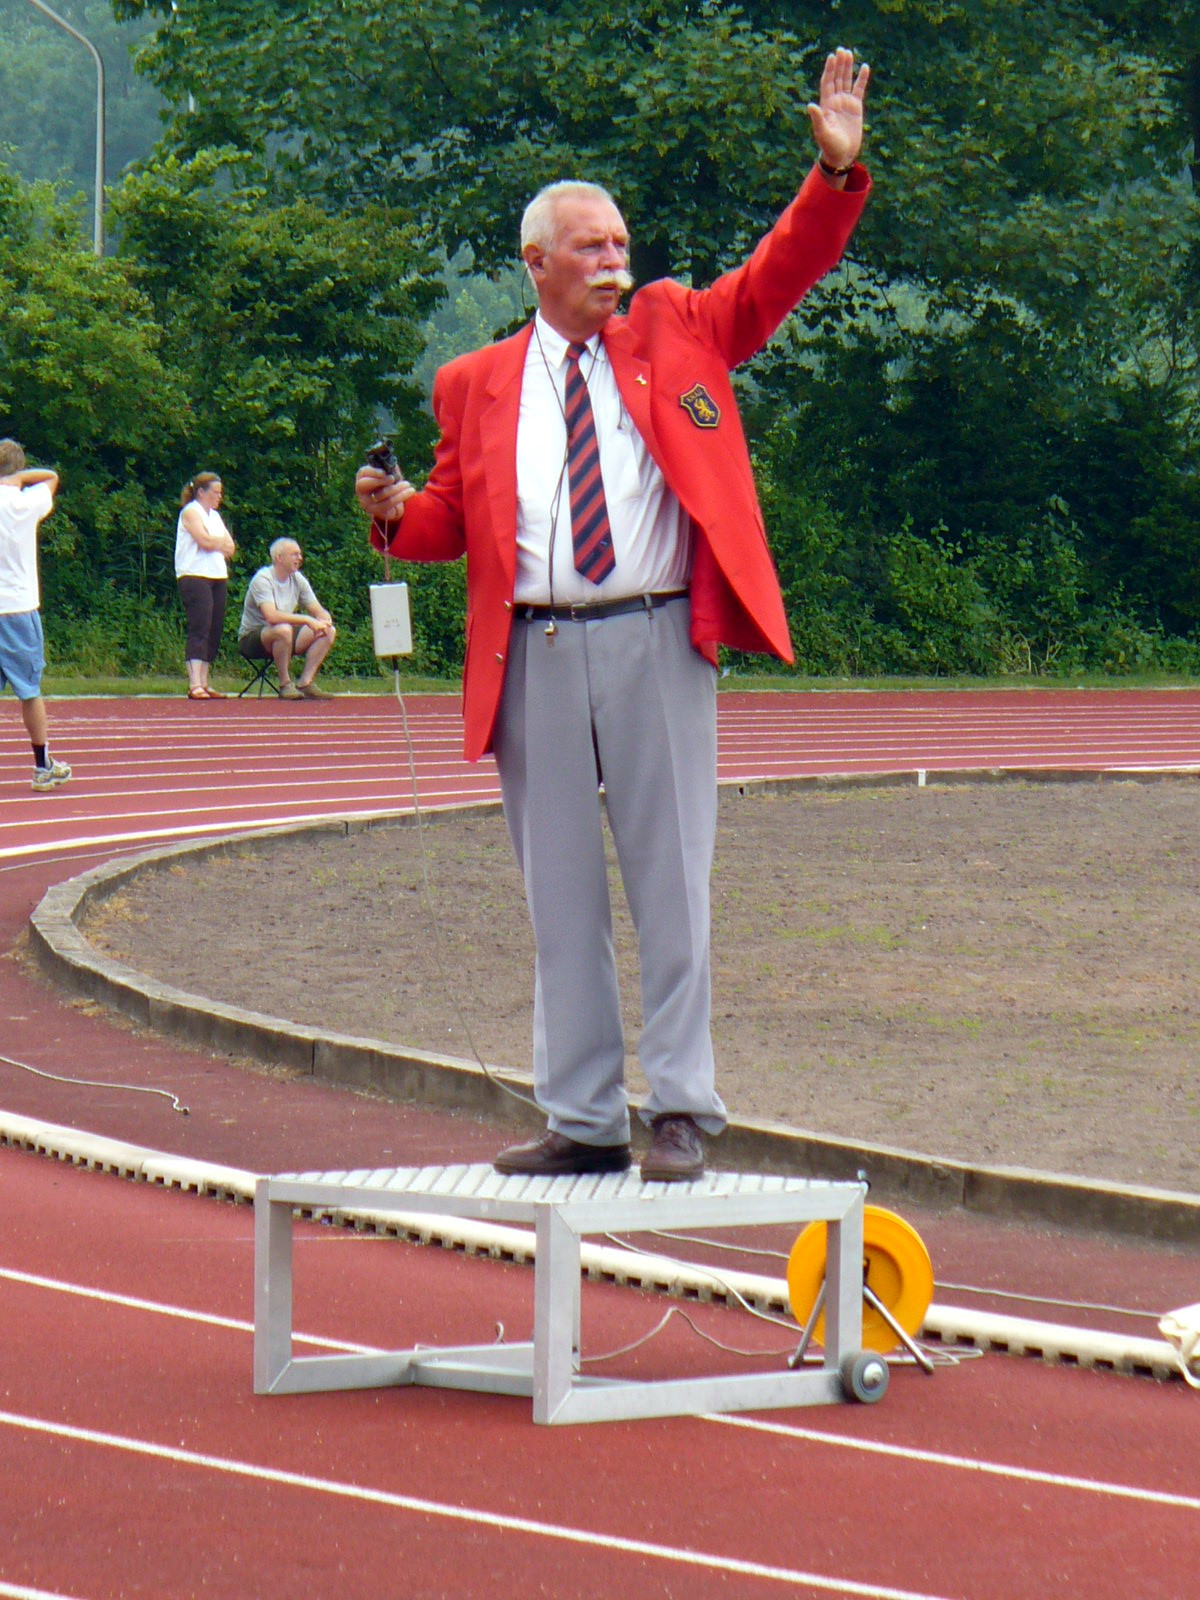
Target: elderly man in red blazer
{"x": 594, "y": 472}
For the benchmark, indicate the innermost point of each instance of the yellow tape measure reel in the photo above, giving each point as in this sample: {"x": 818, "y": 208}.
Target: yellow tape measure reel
{"x": 896, "y": 1267}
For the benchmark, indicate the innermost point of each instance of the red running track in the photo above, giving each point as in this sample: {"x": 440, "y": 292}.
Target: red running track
{"x": 134, "y": 1458}
{"x": 153, "y": 769}
{"x": 137, "y": 1460}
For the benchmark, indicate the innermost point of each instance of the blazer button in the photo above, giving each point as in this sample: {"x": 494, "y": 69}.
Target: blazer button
{"x": 499, "y": 657}
{"x": 508, "y": 605}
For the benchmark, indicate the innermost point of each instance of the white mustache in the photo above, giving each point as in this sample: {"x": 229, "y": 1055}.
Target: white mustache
{"x": 620, "y": 279}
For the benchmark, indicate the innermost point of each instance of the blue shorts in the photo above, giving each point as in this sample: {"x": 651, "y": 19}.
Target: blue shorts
{"x": 22, "y": 654}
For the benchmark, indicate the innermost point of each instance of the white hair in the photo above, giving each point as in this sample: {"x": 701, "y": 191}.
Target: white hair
{"x": 539, "y": 223}
{"x": 278, "y": 545}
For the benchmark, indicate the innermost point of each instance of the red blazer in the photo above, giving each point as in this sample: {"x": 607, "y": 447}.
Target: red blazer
{"x": 671, "y": 355}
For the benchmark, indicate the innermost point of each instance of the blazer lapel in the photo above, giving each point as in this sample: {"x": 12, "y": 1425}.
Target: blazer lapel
{"x": 498, "y": 415}
{"x": 632, "y": 372}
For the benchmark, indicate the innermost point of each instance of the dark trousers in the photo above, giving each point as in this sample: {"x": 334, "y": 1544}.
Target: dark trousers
{"x": 204, "y": 607}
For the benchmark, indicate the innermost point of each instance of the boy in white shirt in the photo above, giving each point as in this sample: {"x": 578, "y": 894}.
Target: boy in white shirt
{"x": 26, "y": 500}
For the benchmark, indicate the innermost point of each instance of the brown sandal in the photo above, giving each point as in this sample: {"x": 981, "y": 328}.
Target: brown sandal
{"x": 198, "y": 692}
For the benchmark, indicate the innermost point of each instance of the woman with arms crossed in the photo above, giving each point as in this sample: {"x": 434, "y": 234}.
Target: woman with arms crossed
{"x": 203, "y": 545}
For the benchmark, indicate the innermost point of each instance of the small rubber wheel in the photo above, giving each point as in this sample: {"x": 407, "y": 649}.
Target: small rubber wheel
{"x": 865, "y": 1377}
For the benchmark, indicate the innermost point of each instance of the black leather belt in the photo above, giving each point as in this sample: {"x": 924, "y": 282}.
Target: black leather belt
{"x": 593, "y": 610}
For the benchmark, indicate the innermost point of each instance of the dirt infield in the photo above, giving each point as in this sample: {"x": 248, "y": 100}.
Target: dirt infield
{"x": 996, "y": 972}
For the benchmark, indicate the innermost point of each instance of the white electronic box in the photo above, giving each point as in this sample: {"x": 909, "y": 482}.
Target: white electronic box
{"x": 391, "y": 621}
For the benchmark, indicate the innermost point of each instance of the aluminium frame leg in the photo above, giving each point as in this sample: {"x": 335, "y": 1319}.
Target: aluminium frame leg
{"x": 556, "y": 1313}
{"x": 272, "y": 1288}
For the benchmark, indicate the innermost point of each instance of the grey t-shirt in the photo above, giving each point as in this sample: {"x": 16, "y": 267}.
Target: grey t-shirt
{"x": 293, "y": 594}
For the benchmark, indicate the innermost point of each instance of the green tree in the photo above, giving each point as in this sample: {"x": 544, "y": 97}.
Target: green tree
{"x": 48, "y": 93}
{"x": 226, "y": 332}
{"x": 1018, "y": 324}
{"x": 291, "y": 328}
{"x": 1004, "y": 371}
{"x": 466, "y": 108}
{"x": 83, "y": 384}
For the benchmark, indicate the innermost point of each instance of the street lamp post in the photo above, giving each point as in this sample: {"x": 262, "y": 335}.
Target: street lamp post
{"x": 98, "y": 215}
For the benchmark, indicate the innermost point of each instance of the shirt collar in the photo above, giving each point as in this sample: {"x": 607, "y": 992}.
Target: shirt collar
{"x": 555, "y": 346}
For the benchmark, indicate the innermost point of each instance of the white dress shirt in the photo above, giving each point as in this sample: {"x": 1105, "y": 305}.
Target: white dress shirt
{"x": 651, "y": 531}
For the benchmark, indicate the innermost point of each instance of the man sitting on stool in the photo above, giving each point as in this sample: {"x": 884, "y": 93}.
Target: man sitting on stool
{"x": 274, "y": 625}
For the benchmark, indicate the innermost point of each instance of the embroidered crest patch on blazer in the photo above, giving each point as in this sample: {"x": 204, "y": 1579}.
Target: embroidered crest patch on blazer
{"x": 701, "y": 406}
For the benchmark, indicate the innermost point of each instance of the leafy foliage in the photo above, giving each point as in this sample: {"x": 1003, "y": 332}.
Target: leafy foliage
{"x": 466, "y": 108}
{"x": 84, "y": 385}
{"x": 48, "y": 94}
{"x": 260, "y": 340}
{"x": 976, "y": 440}
{"x": 292, "y": 328}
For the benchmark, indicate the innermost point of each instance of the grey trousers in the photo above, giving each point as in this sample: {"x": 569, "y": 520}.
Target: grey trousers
{"x": 628, "y": 702}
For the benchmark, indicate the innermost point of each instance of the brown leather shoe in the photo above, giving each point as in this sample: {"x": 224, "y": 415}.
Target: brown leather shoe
{"x": 554, "y": 1154}
{"x": 676, "y": 1153}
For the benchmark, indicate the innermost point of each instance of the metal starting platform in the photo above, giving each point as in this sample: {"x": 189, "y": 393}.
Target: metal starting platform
{"x": 562, "y": 1211}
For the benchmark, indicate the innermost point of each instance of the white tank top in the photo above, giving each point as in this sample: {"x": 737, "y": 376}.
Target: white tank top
{"x": 190, "y": 560}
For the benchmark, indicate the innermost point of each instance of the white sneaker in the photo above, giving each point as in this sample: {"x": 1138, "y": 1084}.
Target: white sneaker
{"x": 51, "y": 777}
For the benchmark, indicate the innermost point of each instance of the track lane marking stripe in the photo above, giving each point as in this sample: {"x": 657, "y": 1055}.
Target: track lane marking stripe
{"x": 12, "y": 1591}
{"x": 434, "y": 1508}
{"x": 785, "y": 1430}
{"x": 458, "y": 800}
{"x": 207, "y": 1318}
{"x": 936, "y": 1458}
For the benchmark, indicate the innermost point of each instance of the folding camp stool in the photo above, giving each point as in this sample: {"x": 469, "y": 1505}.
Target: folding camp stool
{"x": 262, "y": 669}
{"x": 562, "y": 1210}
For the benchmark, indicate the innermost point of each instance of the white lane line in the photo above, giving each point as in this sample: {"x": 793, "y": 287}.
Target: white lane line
{"x": 252, "y": 798}
{"x": 158, "y": 1308}
{"x": 1100, "y": 720}
{"x": 10, "y": 1591}
{"x": 785, "y": 1430}
{"x": 1019, "y": 744}
{"x": 850, "y": 765}
{"x": 498, "y": 1521}
{"x": 230, "y": 825}
{"x": 993, "y": 1469}
{"x": 91, "y": 842}
{"x": 53, "y": 860}
{"x": 970, "y": 755}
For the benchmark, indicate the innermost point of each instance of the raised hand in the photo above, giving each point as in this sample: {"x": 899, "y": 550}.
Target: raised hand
{"x": 837, "y": 120}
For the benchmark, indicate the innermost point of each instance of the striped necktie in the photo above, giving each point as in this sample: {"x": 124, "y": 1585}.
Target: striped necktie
{"x": 591, "y": 534}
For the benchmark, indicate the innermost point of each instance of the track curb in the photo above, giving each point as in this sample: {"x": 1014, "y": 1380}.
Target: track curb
{"x": 449, "y": 1083}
